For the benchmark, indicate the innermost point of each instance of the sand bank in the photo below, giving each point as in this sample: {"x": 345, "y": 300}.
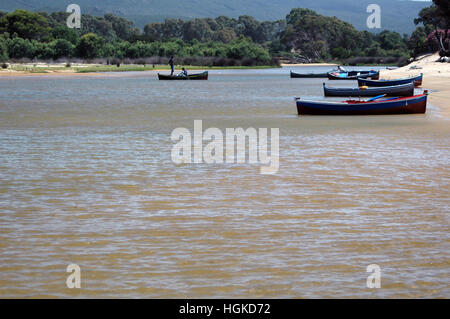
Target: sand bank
{"x": 436, "y": 79}
{"x": 307, "y": 64}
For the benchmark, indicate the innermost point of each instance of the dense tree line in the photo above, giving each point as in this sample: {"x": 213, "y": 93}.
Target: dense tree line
{"x": 223, "y": 29}
{"x": 45, "y": 36}
{"x": 434, "y": 35}
{"x": 303, "y": 36}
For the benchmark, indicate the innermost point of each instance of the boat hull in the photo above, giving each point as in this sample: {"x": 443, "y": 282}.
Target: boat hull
{"x": 353, "y": 75}
{"x": 198, "y": 76}
{"x": 308, "y": 75}
{"x": 379, "y": 83}
{"x": 398, "y": 90}
{"x": 407, "y": 105}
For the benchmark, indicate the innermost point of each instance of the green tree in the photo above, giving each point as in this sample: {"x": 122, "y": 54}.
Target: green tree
{"x": 197, "y": 29}
{"x": 296, "y": 15}
{"x": 391, "y": 40}
{"x": 90, "y": 46}
{"x": 416, "y": 43}
{"x": 245, "y": 48}
{"x": 311, "y": 36}
{"x": 225, "y": 35}
{"x": 44, "y": 51}
{"x": 3, "y": 50}
{"x": 63, "y": 32}
{"x": 437, "y": 16}
{"x": 122, "y": 27}
{"x": 99, "y": 26}
{"x": 250, "y": 27}
{"x": 21, "y": 48}
{"x": 62, "y": 49}
{"x": 27, "y": 25}
{"x": 340, "y": 53}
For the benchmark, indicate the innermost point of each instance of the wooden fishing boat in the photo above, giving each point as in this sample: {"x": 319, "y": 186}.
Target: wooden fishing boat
{"x": 308, "y": 75}
{"x": 397, "y": 90}
{"x": 373, "y": 106}
{"x": 365, "y": 82}
{"x": 353, "y": 75}
{"x": 197, "y": 76}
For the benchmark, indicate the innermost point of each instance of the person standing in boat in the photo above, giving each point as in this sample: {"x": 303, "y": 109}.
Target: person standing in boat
{"x": 172, "y": 65}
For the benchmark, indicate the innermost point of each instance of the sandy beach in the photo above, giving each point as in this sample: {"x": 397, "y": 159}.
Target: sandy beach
{"x": 436, "y": 79}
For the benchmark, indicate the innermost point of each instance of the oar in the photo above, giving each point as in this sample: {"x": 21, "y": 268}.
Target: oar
{"x": 376, "y": 98}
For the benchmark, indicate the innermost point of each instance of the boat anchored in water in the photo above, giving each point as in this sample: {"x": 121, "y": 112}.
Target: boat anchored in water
{"x": 308, "y": 75}
{"x": 197, "y": 76}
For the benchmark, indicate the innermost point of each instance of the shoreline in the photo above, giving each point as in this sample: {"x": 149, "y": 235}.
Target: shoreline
{"x": 436, "y": 74}
{"x": 308, "y": 64}
{"x": 436, "y": 79}
{"x": 18, "y": 69}
{"x": 439, "y": 93}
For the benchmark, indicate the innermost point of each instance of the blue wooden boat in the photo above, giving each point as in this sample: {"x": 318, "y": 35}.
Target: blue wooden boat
{"x": 378, "y": 83}
{"x": 373, "y": 106}
{"x": 308, "y": 75}
{"x": 353, "y": 75}
{"x": 397, "y": 90}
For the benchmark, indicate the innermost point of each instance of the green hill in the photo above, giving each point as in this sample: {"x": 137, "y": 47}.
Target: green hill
{"x": 397, "y": 15}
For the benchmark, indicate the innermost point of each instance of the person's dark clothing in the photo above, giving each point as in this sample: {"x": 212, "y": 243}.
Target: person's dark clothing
{"x": 172, "y": 66}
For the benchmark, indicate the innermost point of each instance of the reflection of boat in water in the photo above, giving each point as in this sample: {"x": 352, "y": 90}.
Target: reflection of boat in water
{"x": 374, "y": 106}
{"x": 197, "y": 76}
{"x": 308, "y": 75}
{"x": 417, "y": 81}
{"x": 353, "y": 75}
{"x": 397, "y": 90}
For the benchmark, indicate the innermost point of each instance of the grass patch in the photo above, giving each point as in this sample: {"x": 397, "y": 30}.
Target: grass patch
{"x": 37, "y": 69}
{"x": 29, "y": 69}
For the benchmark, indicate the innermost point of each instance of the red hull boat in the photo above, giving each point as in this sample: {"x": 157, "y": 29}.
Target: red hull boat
{"x": 404, "y": 105}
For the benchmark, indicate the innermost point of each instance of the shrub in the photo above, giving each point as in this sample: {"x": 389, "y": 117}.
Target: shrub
{"x": 3, "y": 51}
{"x": 21, "y": 48}
{"x": 62, "y": 48}
{"x": 90, "y": 46}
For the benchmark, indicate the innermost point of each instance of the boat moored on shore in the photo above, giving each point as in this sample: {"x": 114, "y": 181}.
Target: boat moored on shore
{"x": 353, "y": 75}
{"x": 377, "y": 106}
{"x": 378, "y": 83}
{"x": 397, "y": 90}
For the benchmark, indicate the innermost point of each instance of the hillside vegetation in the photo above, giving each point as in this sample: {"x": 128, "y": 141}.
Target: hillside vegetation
{"x": 304, "y": 36}
{"x": 397, "y": 15}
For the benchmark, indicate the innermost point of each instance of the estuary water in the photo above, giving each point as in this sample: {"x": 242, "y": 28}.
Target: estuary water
{"x": 86, "y": 178}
